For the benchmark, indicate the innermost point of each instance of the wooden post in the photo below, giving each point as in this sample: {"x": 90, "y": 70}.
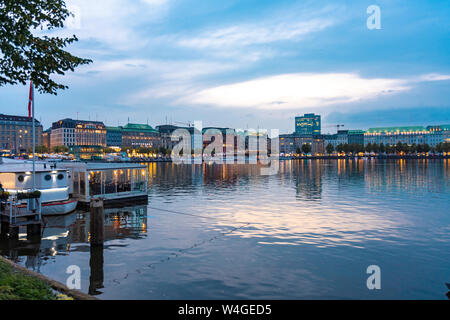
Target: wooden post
{"x": 13, "y": 233}
{"x": 97, "y": 222}
{"x": 4, "y": 228}
{"x": 34, "y": 232}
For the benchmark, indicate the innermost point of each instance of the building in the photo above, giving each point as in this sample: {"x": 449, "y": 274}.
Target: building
{"x": 69, "y": 132}
{"x": 355, "y": 137}
{"x": 140, "y": 135}
{"x": 431, "y": 135}
{"x": 16, "y": 133}
{"x": 46, "y": 138}
{"x": 133, "y": 136}
{"x": 165, "y": 133}
{"x": 289, "y": 143}
{"x": 169, "y": 140}
{"x": 228, "y": 138}
{"x": 114, "y": 137}
{"x": 309, "y": 124}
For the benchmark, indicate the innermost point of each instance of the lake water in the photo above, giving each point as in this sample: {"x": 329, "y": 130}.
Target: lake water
{"x": 226, "y": 232}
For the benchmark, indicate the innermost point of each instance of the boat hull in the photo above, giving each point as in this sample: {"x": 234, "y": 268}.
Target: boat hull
{"x": 59, "y": 208}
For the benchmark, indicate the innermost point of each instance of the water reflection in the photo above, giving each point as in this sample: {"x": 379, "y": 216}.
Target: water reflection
{"x": 225, "y": 231}
{"x": 65, "y": 235}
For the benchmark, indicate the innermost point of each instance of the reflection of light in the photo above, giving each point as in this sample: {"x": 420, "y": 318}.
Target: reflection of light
{"x": 56, "y": 237}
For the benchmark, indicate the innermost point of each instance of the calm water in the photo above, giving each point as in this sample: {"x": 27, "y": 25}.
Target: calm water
{"x": 225, "y": 232}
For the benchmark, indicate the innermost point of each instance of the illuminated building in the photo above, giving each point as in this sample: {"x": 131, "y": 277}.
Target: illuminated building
{"x": 431, "y": 135}
{"x": 69, "y": 132}
{"x": 309, "y": 124}
{"x": 16, "y": 133}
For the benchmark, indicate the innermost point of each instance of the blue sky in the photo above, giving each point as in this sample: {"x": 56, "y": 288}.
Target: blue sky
{"x": 253, "y": 63}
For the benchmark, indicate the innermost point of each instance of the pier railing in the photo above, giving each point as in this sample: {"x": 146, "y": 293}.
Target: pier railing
{"x": 17, "y": 212}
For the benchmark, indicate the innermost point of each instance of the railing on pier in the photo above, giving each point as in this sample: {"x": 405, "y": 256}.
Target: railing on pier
{"x": 17, "y": 212}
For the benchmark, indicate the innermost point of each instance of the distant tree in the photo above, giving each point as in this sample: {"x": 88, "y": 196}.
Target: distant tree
{"x": 299, "y": 150}
{"x": 382, "y": 148}
{"x": 369, "y": 148}
{"x": 446, "y": 147}
{"x": 426, "y": 148}
{"x": 340, "y": 148}
{"x": 25, "y": 55}
{"x": 440, "y": 147}
{"x": 40, "y": 149}
{"x": 330, "y": 148}
{"x": 306, "y": 148}
{"x": 376, "y": 148}
{"x": 60, "y": 149}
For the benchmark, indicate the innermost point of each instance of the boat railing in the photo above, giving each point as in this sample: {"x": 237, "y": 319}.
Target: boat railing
{"x": 14, "y": 209}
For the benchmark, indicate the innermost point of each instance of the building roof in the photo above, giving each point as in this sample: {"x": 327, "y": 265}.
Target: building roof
{"x": 397, "y": 129}
{"x": 6, "y": 117}
{"x": 133, "y": 127}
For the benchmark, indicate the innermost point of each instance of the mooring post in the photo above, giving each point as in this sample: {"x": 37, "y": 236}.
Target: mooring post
{"x": 13, "y": 233}
{"x": 34, "y": 232}
{"x": 97, "y": 222}
{"x": 4, "y": 230}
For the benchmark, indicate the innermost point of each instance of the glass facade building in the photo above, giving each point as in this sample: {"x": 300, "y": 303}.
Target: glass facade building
{"x": 309, "y": 124}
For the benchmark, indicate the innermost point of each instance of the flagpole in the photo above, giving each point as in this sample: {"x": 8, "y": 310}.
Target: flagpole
{"x": 34, "y": 139}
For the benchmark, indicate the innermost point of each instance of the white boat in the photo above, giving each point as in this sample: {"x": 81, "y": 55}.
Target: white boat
{"x": 53, "y": 184}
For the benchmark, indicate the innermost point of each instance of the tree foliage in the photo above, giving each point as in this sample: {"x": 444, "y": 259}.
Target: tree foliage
{"x": 24, "y": 53}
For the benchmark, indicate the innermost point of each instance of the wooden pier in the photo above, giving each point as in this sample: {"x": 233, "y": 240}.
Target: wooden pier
{"x": 14, "y": 214}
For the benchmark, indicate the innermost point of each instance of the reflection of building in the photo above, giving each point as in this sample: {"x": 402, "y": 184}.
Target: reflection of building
{"x": 69, "y": 132}
{"x": 309, "y": 124}
{"x": 431, "y": 135}
{"x": 16, "y": 133}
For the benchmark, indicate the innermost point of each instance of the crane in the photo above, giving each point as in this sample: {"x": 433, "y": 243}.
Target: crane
{"x": 337, "y": 126}
{"x": 189, "y": 124}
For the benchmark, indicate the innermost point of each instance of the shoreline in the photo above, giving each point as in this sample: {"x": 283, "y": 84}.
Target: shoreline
{"x": 53, "y": 284}
{"x": 333, "y": 157}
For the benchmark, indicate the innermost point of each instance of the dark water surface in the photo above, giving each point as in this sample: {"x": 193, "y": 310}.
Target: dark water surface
{"x": 226, "y": 232}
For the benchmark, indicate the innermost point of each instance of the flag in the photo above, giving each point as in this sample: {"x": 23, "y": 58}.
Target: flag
{"x": 30, "y": 99}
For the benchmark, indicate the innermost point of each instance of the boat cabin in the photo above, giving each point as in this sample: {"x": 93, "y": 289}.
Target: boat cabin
{"x": 50, "y": 181}
{"x": 116, "y": 183}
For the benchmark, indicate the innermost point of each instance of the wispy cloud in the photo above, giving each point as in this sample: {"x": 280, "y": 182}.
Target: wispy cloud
{"x": 253, "y": 34}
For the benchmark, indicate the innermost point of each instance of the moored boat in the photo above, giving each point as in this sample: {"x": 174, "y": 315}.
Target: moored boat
{"x": 51, "y": 182}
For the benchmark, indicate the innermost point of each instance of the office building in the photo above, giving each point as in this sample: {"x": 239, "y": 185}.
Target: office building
{"x": 309, "y": 124}
{"x": 69, "y": 132}
{"x": 16, "y": 133}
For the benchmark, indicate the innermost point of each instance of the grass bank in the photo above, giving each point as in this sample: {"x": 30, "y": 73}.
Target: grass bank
{"x": 15, "y": 285}
{"x": 19, "y": 283}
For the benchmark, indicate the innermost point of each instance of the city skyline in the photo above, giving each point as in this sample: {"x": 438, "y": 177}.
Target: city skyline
{"x": 244, "y": 64}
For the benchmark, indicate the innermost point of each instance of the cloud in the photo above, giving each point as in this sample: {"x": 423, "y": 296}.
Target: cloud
{"x": 113, "y": 24}
{"x": 301, "y": 90}
{"x": 254, "y": 34}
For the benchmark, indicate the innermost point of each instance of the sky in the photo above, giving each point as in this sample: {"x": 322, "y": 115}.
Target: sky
{"x": 252, "y": 63}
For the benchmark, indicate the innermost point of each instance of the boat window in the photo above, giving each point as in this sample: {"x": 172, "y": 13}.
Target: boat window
{"x": 60, "y": 176}
{"x": 21, "y": 178}
{"x": 48, "y": 177}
